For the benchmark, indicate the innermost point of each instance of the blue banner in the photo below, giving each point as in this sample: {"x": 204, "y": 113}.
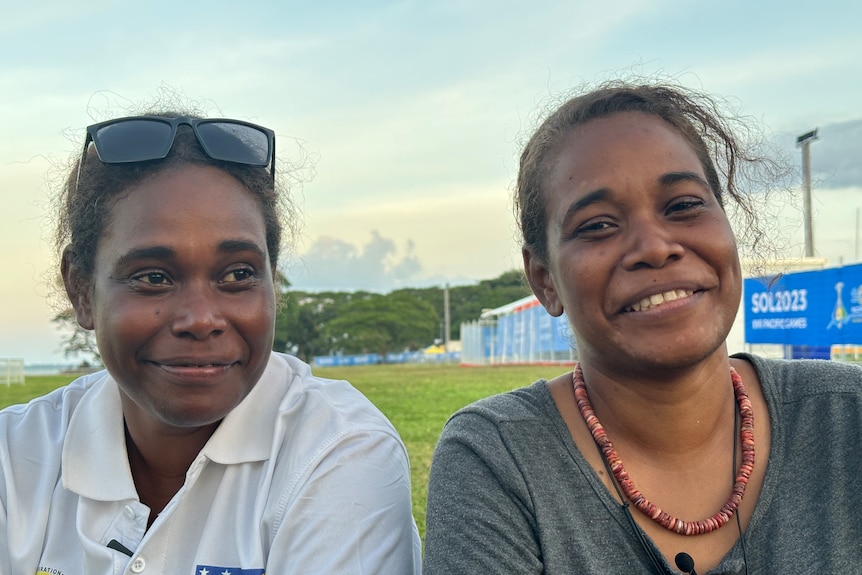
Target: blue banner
{"x": 813, "y": 308}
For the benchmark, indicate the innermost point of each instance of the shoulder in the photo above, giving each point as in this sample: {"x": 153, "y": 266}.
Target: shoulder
{"x": 50, "y": 412}
{"x": 317, "y": 419}
{"x": 33, "y": 435}
{"x": 500, "y": 434}
{"x": 515, "y": 421}
{"x": 294, "y": 417}
{"x": 523, "y": 404}
{"x": 340, "y": 402}
{"x": 335, "y": 453}
{"x": 798, "y": 379}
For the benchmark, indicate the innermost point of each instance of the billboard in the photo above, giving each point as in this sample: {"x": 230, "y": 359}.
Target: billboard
{"x": 813, "y": 308}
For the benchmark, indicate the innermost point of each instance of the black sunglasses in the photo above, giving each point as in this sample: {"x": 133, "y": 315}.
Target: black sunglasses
{"x": 142, "y": 138}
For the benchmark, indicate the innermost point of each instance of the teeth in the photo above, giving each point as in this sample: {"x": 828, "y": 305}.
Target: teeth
{"x": 658, "y": 299}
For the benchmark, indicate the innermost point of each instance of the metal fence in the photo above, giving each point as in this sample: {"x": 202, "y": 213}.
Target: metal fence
{"x": 11, "y": 371}
{"x": 519, "y": 332}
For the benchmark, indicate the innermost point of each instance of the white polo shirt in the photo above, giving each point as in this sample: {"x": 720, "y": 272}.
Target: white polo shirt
{"x": 304, "y": 476}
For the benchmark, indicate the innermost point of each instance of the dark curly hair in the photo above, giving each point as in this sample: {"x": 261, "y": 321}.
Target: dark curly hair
{"x": 92, "y": 188}
{"x": 696, "y": 116}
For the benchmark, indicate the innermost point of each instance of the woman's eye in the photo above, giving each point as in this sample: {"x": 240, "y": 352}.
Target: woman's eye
{"x": 238, "y": 275}
{"x": 593, "y": 227}
{"x": 152, "y": 278}
{"x": 685, "y": 205}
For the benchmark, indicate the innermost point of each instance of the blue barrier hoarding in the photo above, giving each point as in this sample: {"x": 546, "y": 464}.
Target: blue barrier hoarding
{"x": 814, "y": 308}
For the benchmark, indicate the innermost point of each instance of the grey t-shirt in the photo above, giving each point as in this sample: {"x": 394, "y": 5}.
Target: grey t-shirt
{"x": 509, "y": 492}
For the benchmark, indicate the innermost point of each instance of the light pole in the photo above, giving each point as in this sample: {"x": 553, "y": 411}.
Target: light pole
{"x": 804, "y": 142}
{"x": 446, "y": 318}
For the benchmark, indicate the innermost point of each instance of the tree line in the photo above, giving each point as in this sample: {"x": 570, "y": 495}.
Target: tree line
{"x": 326, "y": 323}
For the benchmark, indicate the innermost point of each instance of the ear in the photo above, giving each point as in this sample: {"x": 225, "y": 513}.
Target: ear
{"x": 78, "y": 290}
{"x": 542, "y": 283}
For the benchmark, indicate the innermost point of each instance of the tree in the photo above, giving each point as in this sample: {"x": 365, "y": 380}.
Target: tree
{"x": 301, "y": 321}
{"x": 75, "y": 340}
{"x": 381, "y": 324}
{"x": 285, "y": 313}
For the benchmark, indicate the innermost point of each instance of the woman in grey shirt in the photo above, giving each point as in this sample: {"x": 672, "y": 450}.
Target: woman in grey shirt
{"x": 658, "y": 453}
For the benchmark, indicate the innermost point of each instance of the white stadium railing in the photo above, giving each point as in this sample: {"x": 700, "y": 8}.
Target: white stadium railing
{"x": 11, "y": 371}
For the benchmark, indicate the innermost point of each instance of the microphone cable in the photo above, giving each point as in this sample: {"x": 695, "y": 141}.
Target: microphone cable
{"x": 625, "y": 507}
{"x": 640, "y": 535}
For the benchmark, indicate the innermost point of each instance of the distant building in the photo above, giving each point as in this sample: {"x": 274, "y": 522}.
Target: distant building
{"x": 518, "y": 332}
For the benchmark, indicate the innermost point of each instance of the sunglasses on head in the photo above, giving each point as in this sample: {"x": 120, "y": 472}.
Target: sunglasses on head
{"x": 143, "y": 138}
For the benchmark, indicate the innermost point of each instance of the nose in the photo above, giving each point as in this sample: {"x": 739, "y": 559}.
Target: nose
{"x": 198, "y": 313}
{"x": 652, "y": 243}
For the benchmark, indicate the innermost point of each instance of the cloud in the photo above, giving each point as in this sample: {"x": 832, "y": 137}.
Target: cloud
{"x": 835, "y": 154}
{"x": 836, "y": 157}
{"x": 337, "y": 265}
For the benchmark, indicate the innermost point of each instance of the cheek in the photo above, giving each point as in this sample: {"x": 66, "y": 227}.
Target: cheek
{"x": 588, "y": 278}
{"x": 258, "y": 317}
{"x": 723, "y": 230}
{"x": 730, "y": 254}
{"x": 125, "y": 325}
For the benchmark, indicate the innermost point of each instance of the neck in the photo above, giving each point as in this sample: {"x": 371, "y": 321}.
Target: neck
{"x": 160, "y": 455}
{"x": 673, "y": 413}
{"x": 615, "y": 466}
{"x": 165, "y": 455}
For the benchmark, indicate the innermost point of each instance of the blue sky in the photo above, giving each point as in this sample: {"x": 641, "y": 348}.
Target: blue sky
{"x": 405, "y": 117}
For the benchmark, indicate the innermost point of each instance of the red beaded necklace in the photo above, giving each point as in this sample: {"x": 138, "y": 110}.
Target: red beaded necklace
{"x": 615, "y": 464}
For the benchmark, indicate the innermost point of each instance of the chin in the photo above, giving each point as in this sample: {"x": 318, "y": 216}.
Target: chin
{"x": 190, "y": 418}
{"x": 650, "y": 359}
{"x": 670, "y": 359}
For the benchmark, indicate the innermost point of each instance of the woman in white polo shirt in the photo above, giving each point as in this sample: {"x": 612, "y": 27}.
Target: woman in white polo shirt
{"x": 198, "y": 450}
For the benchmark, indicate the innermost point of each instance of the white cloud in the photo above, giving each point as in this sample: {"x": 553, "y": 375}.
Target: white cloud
{"x": 335, "y": 264}
{"x": 451, "y": 235}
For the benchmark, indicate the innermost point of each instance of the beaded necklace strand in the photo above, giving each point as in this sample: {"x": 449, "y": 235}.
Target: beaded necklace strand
{"x": 615, "y": 464}
{"x": 624, "y": 505}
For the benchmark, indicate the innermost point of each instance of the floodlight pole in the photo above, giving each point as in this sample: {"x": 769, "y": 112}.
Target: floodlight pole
{"x": 856, "y": 244}
{"x": 804, "y": 142}
{"x": 446, "y": 318}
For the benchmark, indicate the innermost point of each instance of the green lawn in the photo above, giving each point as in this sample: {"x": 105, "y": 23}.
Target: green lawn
{"x": 417, "y": 399}
{"x": 34, "y": 387}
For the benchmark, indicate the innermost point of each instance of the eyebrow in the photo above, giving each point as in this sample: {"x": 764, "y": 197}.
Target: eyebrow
{"x": 166, "y": 253}
{"x": 593, "y": 197}
{"x": 235, "y": 246}
{"x": 149, "y": 252}
{"x": 666, "y": 180}
{"x": 672, "y": 178}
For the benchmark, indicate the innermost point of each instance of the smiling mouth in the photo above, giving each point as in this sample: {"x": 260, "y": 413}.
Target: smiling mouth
{"x": 182, "y": 365}
{"x": 658, "y": 299}
{"x": 195, "y": 369}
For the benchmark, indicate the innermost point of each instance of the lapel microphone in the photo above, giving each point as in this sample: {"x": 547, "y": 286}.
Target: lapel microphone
{"x": 685, "y": 563}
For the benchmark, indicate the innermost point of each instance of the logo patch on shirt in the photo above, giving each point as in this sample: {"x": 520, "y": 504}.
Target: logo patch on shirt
{"x": 217, "y": 570}
{"x": 48, "y": 571}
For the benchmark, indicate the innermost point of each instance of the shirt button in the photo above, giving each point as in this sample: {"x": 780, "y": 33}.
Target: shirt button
{"x": 138, "y": 565}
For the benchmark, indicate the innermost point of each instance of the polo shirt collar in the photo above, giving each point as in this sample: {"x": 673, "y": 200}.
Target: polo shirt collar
{"x": 246, "y": 433}
{"x": 95, "y": 461}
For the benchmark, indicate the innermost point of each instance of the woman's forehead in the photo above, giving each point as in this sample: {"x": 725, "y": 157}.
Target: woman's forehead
{"x": 183, "y": 201}
{"x": 611, "y": 147}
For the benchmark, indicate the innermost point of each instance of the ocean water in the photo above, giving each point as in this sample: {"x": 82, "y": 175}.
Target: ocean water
{"x": 46, "y": 368}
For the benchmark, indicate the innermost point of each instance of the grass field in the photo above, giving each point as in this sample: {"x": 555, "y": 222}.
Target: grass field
{"x": 417, "y": 398}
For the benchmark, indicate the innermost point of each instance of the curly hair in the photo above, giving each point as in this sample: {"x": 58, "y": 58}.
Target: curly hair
{"x": 696, "y": 116}
{"x": 92, "y": 188}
